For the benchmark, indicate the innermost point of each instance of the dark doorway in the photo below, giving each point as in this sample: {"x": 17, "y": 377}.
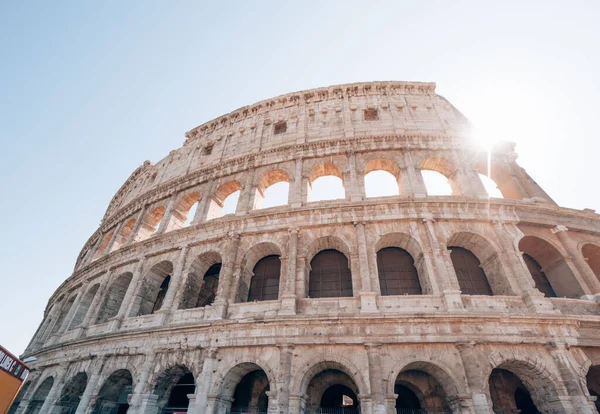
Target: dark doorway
{"x": 330, "y": 275}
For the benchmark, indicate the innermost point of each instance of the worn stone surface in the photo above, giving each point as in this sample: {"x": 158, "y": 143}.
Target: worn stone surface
{"x": 125, "y": 324}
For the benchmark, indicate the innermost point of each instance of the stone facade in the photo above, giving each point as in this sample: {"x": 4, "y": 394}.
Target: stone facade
{"x": 135, "y": 326}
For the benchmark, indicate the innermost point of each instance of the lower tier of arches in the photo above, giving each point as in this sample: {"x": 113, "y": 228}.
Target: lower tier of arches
{"x": 361, "y": 377}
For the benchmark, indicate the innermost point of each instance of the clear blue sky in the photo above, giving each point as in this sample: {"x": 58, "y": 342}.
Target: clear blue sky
{"x": 91, "y": 89}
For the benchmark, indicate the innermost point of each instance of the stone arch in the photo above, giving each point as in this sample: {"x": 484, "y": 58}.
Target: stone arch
{"x": 552, "y": 264}
{"x": 102, "y": 246}
{"x": 150, "y": 223}
{"x": 84, "y": 306}
{"x": 539, "y": 381}
{"x": 172, "y": 386}
{"x": 444, "y": 167}
{"x": 486, "y": 252}
{"x": 323, "y": 170}
{"x": 114, "y": 297}
{"x": 502, "y": 176}
{"x": 437, "y": 369}
{"x": 153, "y": 289}
{"x": 251, "y": 258}
{"x": 72, "y": 392}
{"x": 64, "y": 311}
{"x": 218, "y": 198}
{"x": 324, "y": 243}
{"x": 592, "y": 382}
{"x": 114, "y": 391}
{"x": 183, "y": 212}
{"x": 40, "y": 395}
{"x": 490, "y": 186}
{"x": 267, "y": 180}
{"x": 387, "y": 165}
{"x": 124, "y": 235}
{"x": 591, "y": 254}
{"x": 202, "y": 280}
{"x": 226, "y": 387}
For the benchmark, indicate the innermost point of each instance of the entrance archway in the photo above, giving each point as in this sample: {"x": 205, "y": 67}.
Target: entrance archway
{"x": 172, "y": 389}
{"x": 112, "y": 397}
{"x": 71, "y": 394}
{"x": 332, "y": 391}
{"x": 244, "y": 389}
{"x": 419, "y": 390}
{"x": 39, "y": 396}
{"x": 593, "y": 384}
{"x": 509, "y": 393}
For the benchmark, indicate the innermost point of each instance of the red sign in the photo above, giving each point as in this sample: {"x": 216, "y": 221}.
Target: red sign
{"x": 12, "y": 365}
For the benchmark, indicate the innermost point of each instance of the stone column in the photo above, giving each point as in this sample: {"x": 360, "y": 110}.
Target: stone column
{"x": 285, "y": 375}
{"x": 590, "y": 281}
{"x": 93, "y": 250}
{"x": 53, "y": 395}
{"x": 90, "y": 388}
{"x": 139, "y": 398}
{"x": 93, "y": 309}
{"x": 205, "y": 381}
{"x": 114, "y": 237}
{"x": 471, "y": 183}
{"x": 288, "y": 296}
{"x": 446, "y": 278}
{"x": 67, "y": 321}
{"x": 127, "y": 303}
{"x": 411, "y": 179}
{"x": 351, "y": 179}
{"x": 375, "y": 377}
{"x": 247, "y": 194}
{"x": 368, "y": 298}
{"x": 174, "y": 285}
{"x": 203, "y": 204}
{"x": 166, "y": 219}
{"x": 225, "y": 281}
{"x": 474, "y": 366}
{"x": 295, "y": 191}
{"x": 136, "y": 227}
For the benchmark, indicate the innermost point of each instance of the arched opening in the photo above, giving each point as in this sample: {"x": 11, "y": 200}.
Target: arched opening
{"x": 63, "y": 314}
{"x": 84, "y": 306}
{"x": 436, "y": 183}
{"x": 202, "y": 282}
{"x": 172, "y": 389}
{"x": 123, "y": 235}
{"x": 539, "y": 277}
{"x": 419, "y": 390}
{"x": 397, "y": 272}
{"x": 490, "y": 186}
{"x": 71, "y": 394}
{"x": 114, "y": 298}
{"x": 264, "y": 284}
{"x": 102, "y": 247}
{"x": 184, "y": 211}
{"x": 244, "y": 390}
{"x": 407, "y": 399}
{"x": 329, "y": 275}
{"x": 112, "y": 397}
{"x": 326, "y": 182}
{"x": 593, "y": 384}
{"x": 153, "y": 289}
{"x": 272, "y": 190}
{"x": 38, "y": 398}
{"x": 546, "y": 262}
{"x": 332, "y": 391}
{"x": 591, "y": 253}
{"x": 509, "y": 393}
{"x": 224, "y": 201}
{"x": 471, "y": 277}
{"x": 17, "y": 402}
{"x": 150, "y": 223}
{"x": 501, "y": 177}
{"x": 382, "y": 178}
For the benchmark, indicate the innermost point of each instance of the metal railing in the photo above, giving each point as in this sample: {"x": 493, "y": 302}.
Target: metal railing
{"x": 421, "y": 411}
{"x": 340, "y": 410}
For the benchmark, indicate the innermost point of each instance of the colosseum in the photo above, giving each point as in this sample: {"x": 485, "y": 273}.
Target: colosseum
{"x": 409, "y": 302}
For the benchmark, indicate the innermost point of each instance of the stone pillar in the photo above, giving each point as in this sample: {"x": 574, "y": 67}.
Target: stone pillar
{"x": 225, "y": 281}
{"x": 203, "y": 204}
{"x": 166, "y": 219}
{"x": 295, "y": 191}
{"x": 114, "y": 237}
{"x": 247, "y": 194}
{"x": 136, "y": 227}
{"x": 90, "y": 388}
{"x": 288, "y": 296}
{"x": 528, "y": 184}
{"x": 139, "y": 399}
{"x": 67, "y": 321}
{"x": 375, "y": 377}
{"x": 590, "y": 281}
{"x": 474, "y": 366}
{"x": 127, "y": 303}
{"x": 411, "y": 180}
{"x": 471, "y": 183}
{"x": 351, "y": 180}
{"x": 174, "y": 285}
{"x": 285, "y": 375}
{"x": 204, "y": 381}
{"x": 53, "y": 395}
{"x": 446, "y": 277}
{"x": 93, "y": 309}
{"x": 93, "y": 250}
{"x": 368, "y": 298}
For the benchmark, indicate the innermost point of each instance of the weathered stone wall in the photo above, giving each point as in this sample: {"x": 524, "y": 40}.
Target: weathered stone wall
{"x": 443, "y": 344}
